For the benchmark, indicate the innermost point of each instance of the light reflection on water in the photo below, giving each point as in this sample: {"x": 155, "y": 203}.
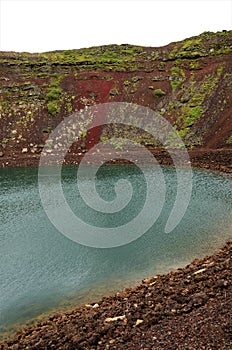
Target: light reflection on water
{"x": 42, "y": 270}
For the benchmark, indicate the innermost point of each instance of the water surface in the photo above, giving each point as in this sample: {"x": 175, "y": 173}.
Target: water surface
{"x": 42, "y": 270}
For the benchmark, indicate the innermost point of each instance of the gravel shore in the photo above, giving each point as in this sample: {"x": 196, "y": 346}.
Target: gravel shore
{"x": 186, "y": 309}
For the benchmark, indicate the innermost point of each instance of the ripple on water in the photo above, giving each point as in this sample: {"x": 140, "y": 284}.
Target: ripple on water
{"x": 42, "y": 271}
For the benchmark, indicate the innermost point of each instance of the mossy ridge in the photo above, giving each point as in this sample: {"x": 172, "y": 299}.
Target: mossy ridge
{"x": 206, "y": 44}
{"x": 109, "y": 56}
{"x": 125, "y": 56}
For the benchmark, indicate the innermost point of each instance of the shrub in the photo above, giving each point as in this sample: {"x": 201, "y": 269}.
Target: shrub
{"x": 53, "y": 107}
{"x": 53, "y": 94}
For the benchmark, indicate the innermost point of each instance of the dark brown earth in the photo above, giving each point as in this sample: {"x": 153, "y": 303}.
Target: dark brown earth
{"x": 186, "y": 309}
{"x": 219, "y": 159}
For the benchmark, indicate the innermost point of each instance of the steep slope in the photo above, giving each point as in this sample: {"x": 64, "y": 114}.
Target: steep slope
{"x": 188, "y": 82}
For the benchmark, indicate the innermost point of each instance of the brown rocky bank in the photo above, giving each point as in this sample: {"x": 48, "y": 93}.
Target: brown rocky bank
{"x": 189, "y": 83}
{"x": 186, "y": 309}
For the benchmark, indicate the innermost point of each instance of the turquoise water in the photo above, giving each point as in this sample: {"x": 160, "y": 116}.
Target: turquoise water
{"x": 41, "y": 270}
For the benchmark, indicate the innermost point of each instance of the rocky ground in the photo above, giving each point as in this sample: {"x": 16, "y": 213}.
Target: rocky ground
{"x": 186, "y": 309}
{"x": 219, "y": 159}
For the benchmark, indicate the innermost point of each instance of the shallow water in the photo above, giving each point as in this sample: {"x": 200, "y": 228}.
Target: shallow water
{"x": 42, "y": 270}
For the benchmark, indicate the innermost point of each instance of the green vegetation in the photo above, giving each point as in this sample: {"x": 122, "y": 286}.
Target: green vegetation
{"x": 194, "y": 65}
{"x": 31, "y": 84}
{"x": 192, "y": 104}
{"x": 177, "y": 77}
{"x": 206, "y": 44}
{"x": 47, "y": 130}
{"x": 126, "y": 83}
{"x": 220, "y": 70}
{"x": 114, "y": 91}
{"x": 229, "y": 140}
{"x": 53, "y": 108}
{"x": 161, "y": 66}
{"x": 193, "y": 114}
{"x": 53, "y": 96}
{"x": 158, "y": 93}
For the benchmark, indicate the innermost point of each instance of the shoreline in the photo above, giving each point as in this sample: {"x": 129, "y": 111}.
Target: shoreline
{"x": 123, "y": 328}
{"x": 215, "y": 160}
{"x": 187, "y": 308}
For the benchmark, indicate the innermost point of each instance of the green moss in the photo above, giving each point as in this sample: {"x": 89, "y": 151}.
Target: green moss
{"x": 229, "y": 140}
{"x": 192, "y": 44}
{"x": 209, "y": 83}
{"x": 114, "y": 91}
{"x": 196, "y": 99}
{"x": 47, "y": 130}
{"x": 193, "y": 114}
{"x": 194, "y": 65}
{"x": 69, "y": 107}
{"x": 126, "y": 83}
{"x": 177, "y": 77}
{"x": 161, "y": 66}
{"x": 222, "y": 51}
{"x": 42, "y": 75}
{"x": 203, "y": 45}
{"x": 53, "y": 107}
{"x": 53, "y": 96}
{"x": 220, "y": 70}
{"x": 158, "y": 93}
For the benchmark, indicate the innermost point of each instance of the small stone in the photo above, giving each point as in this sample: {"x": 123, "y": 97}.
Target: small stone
{"x": 222, "y": 283}
{"x": 138, "y": 322}
{"x": 199, "y": 271}
{"x": 199, "y": 298}
{"x": 158, "y": 307}
{"x": 95, "y": 306}
{"x": 112, "y": 319}
{"x": 24, "y": 150}
{"x": 88, "y": 305}
{"x": 92, "y": 306}
{"x": 1, "y": 154}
